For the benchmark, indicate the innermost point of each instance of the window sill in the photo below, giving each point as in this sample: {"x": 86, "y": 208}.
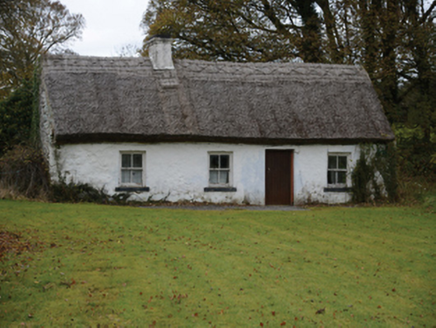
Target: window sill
{"x": 132, "y": 189}
{"x": 337, "y": 189}
{"x": 219, "y": 189}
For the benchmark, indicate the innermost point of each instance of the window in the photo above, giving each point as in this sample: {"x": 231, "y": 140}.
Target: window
{"x": 132, "y": 173}
{"x": 219, "y": 169}
{"x": 131, "y": 169}
{"x": 337, "y": 170}
{"x": 220, "y": 173}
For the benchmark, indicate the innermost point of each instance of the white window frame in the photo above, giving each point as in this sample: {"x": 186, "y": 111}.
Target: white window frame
{"x": 142, "y": 169}
{"x": 346, "y": 170}
{"x": 230, "y": 169}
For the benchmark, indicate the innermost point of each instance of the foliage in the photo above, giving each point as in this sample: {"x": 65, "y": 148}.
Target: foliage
{"x": 34, "y": 136}
{"x": 28, "y": 29}
{"x": 393, "y": 40}
{"x": 77, "y": 192}
{"x": 415, "y": 154}
{"x": 362, "y": 177}
{"x": 96, "y": 265}
{"x": 429, "y": 202}
{"x": 16, "y": 117}
{"x": 23, "y": 172}
{"x": 413, "y": 191}
{"x": 19, "y": 115}
{"x": 386, "y": 164}
{"x": 73, "y": 192}
{"x": 375, "y": 174}
{"x": 239, "y": 30}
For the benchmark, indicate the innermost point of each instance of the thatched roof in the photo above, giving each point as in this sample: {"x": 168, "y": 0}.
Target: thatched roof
{"x": 123, "y": 99}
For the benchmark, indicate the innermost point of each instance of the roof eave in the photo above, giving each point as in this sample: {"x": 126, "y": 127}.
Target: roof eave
{"x": 139, "y": 138}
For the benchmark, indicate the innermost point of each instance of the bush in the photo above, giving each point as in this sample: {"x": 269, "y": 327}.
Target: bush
{"x": 386, "y": 163}
{"x": 374, "y": 160}
{"x": 415, "y": 190}
{"x": 63, "y": 192}
{"x": 416, "y": 155}
{"x": 23, "y": 173}
{"x": 361, "y": 177}
{"x": 16, "y": 117}
{"x": 72, "y": 192}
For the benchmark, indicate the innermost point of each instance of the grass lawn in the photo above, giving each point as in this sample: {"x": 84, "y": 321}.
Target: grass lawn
{"x": 106, "y": 266}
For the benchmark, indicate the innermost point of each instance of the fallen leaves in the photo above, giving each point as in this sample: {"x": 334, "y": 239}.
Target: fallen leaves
{"x": 48, "y": 286}
{"x": 320, "y": 311}
{"x": 10, "y": 243}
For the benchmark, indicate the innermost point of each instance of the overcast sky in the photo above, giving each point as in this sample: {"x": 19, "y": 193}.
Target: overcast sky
{"x": 110, "y": 25}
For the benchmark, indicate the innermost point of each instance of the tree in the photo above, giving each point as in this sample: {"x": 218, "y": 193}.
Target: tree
{"x": 239, "y": 30}
{"x": 29, "y": 28}
{"x": 16, "y": 117}
{"x": 394, "y": 40}
{"x": 128, "y": 50}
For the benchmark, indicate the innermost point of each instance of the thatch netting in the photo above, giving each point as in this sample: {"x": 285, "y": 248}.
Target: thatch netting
{"x": 124, "y": 99}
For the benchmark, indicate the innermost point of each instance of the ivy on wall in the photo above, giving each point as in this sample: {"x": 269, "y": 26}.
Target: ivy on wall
{"x": 375, "y": 174}
{"x": 34, "y": 137}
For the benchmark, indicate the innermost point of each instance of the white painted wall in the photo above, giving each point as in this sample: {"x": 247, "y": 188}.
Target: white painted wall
{"x": 179, "y": 171}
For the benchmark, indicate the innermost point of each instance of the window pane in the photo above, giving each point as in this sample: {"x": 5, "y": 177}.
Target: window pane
{"x": 225, "y": 162}
{"x": 137, "y": 177}
{"x": 342, "y": 177}
{"x": 331, "y": 177}
{"x": 214, "y": 161}
{"x": 137, "y": 160}
{"x": 126, "y": 160}
{"x": 224, "y": 177}
{"x": 342, "y": 162}
{"x": 213, "y": 177}
{"x": 125, "y": 176}
{"x": 332, "y": 162}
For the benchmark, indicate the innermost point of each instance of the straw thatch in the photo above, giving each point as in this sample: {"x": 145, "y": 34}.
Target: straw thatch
{"x": 124, "y": 99}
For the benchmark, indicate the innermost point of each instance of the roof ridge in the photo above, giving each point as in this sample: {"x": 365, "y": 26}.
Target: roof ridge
{"x": 271, "y": 63}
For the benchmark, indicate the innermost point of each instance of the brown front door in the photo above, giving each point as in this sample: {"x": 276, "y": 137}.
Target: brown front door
{"x": 278, "y": 177}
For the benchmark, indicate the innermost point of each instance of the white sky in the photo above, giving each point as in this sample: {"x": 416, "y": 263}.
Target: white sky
{"x": 110, "y": 25}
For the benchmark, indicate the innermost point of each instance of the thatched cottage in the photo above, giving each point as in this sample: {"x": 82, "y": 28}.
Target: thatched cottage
{"x": 256, "y": 133}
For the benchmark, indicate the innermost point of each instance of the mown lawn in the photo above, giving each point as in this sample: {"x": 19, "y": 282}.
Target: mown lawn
{"x": 92, "y": 265}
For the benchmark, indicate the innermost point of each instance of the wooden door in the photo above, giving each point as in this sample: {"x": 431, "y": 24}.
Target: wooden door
{"x": 279, "y": 177}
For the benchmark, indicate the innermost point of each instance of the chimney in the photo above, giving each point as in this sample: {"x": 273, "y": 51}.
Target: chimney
{"x": 159, "y": 51}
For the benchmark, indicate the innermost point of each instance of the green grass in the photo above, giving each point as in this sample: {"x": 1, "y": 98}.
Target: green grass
{"x": 118, "y": 266}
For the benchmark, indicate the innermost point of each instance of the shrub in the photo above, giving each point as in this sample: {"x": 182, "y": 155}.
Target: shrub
{"x": 374, "y": 162}
{"x": 16, "y": 117}
{"x": 361, "y": 177}
{"x": 73, "y": 192}
{"x": 23, "y": 173}
{"x": 416, "y": 155}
